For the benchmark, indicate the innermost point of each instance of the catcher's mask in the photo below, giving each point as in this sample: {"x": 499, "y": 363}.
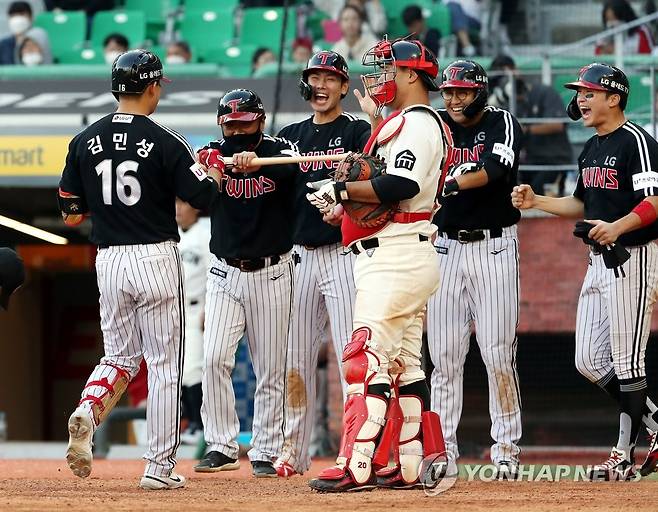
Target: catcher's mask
{"x": 386, "y": 56}
{"x": 327, "y": 61}
{"x": 467, "y": 74}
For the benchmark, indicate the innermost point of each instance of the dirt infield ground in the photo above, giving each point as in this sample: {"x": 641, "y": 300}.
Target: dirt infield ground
{"x": 48, "y": 485}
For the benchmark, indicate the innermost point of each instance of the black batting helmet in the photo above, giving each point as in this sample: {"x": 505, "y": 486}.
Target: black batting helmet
{"x": 327, "y": 61}
{"x": 603, "y": 77}
{"x": 239, "y": 105}
{"x": 468, "y": 74}
{"x": 134, "y": 70}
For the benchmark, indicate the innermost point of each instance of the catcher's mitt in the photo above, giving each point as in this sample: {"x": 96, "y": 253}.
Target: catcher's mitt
{"x": 363, "y": 167}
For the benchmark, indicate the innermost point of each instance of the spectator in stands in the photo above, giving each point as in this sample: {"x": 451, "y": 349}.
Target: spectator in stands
{"x": 114, "y": 45}
{"x": 544, "y": 143}
{"x": 355, "y": 42}
{"x": 19, "y": 19}
{"x": 302, "y": 49}
{"x": 465, "y": 15}
{"x": 179, "y": 52}
{"x": 30, "y": 53}
{"x": 374, "y": 15}
{"x": 412, "y": 17}
{"x": 261, "y": 57}
{"x": 638, "y": 40}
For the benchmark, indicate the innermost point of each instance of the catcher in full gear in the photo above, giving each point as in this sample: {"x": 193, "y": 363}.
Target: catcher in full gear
{"x": 395, "y": 273}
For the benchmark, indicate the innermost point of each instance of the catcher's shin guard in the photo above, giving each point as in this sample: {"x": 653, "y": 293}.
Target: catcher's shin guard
{"x": 363, "y": 418}
{"x": 418, "y": 447}
{"x": 104, "y": 393}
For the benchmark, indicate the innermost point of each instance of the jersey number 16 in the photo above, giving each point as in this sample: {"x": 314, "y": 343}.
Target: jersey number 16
{"x": 127, "y": 185}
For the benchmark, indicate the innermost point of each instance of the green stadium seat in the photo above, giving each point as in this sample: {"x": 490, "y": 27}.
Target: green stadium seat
{"x": 210, "y": 5}
{"x": 66, "y": 30}
{"x": 233, "y": 58}
{"x": 131, "y": 24}
{"x": 262, "y": 26}
{"x": 82, "y": 56}
{"x": 155, "y": 11}
{"x": 314, "y": 23}
{"x": 207, "y": 31}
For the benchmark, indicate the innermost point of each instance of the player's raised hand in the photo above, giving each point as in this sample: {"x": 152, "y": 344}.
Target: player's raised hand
{"x": 366, "y": 102}
{"x": 605, "y": 233}
{"x": 523, "y": 197}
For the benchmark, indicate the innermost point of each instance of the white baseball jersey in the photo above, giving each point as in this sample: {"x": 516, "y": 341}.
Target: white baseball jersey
{"x": 194, "y": 247}
{"x": 415, "y": 153}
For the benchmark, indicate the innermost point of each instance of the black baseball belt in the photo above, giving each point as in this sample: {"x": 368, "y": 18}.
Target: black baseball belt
{"x": 465, "y": 236}
{"x": 252, "y": 264}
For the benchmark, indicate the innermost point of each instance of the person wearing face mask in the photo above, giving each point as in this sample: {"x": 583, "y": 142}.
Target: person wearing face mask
{"x": 543, "y": 142}
{"x": 30, "y": 53}
{"x": 19, "y": 19}
{"x": 249, "y": 288}
{"x": 179, "y": 53}
{"x": 637, "y": 40}
{"x": 113, "y": 46}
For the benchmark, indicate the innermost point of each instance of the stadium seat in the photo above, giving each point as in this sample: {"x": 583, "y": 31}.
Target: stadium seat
{"x": 210, "y": 5}
{"x": 82, "y": 56}
{"x": 66, "y": 30}
{"x": 262, "y": 26}
{"x": 207, "y": 31}
{"x": 155, "y": 11}
{"x": 131, "y": 24}
{"x": 233, "y": 58}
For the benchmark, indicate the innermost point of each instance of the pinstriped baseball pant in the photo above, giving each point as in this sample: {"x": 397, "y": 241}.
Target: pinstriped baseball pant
{"x": 259, "y": 304}
{"x": 324, "y": 290}
{"x": 142, "y": 313}
{"x": 614, "y": 315}
{"x": 480, "y": 284}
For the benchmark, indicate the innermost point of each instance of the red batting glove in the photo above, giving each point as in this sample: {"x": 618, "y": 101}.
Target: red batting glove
{"x": 202, "y": 156}
{"x": 215, "y": 159}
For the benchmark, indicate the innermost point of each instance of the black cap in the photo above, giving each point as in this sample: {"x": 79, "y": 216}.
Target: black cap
{"x": 239, "y": 105}
{"x": 12, "y": 274}
{"x": 134, "y": 70}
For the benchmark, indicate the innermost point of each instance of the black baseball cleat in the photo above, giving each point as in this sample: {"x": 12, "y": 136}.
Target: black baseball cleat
{"x": 650, "y": 464}
{"x": 263, "y": 469}
{"x": 216, "y": 461}
{"x": 507, "y": 470}
{"x": 391, "y": 478}
{"x": 337, "y": 479}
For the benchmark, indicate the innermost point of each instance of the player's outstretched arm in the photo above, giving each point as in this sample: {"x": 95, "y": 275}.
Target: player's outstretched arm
{"x": 523, "y": 198}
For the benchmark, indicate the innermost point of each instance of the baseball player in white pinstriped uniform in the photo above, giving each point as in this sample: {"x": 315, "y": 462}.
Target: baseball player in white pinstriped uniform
{"x": 479, "y": 260}
{"x": 194, "y": 248}
{"x": 249, "y": 285}
{"x": 324, "y": 279}
{"x": 127, "y": 170}
{"x": 617, "y": 190}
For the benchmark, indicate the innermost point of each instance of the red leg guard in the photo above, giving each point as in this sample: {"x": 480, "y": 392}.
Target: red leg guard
{"x": 432, "y": 434}
{"x": 390, "y": 439}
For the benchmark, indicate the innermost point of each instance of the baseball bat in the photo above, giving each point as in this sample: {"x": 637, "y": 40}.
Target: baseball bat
{"x": 276, "y": 160}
